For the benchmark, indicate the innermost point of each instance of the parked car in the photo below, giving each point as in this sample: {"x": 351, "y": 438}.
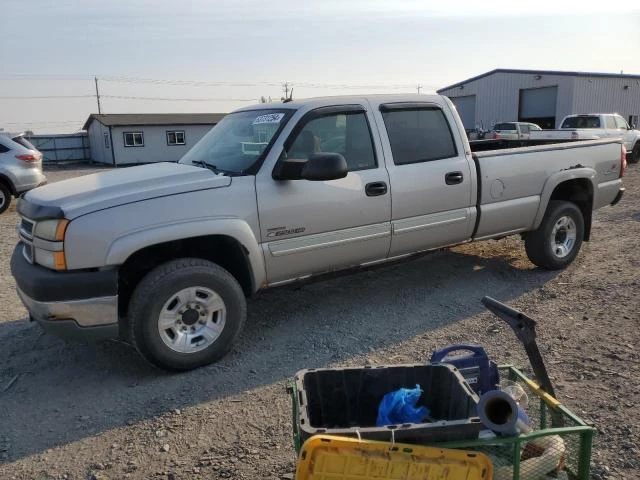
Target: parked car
{"x": 513, "y": 130}
{"x": 20, "y": 168}
{"x": 596, "y": 125}
{"x": 165, "y": 254}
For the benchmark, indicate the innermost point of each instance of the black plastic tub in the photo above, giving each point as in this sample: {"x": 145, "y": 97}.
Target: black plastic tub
{"x": 345, "y": 401}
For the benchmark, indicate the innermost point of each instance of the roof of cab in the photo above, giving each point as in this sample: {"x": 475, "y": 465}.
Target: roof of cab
{"x": 344, "y": 100}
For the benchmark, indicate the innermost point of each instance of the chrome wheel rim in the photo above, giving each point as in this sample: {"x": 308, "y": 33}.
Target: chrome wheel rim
{"x": 563, "y": 236}
{"x": 192, "y": 319}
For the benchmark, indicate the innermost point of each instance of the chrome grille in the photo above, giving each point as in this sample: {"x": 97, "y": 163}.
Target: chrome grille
{"x": 26, "y": 237}
{"x": 26, "y": 227}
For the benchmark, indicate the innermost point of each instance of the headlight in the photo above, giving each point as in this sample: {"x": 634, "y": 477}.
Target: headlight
{"x": 48, "y": 243}
{"x": 52, "y": 260}
{"x": 52, "y": 230}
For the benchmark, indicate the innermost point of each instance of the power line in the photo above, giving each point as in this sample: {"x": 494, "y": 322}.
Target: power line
{"x": 38, "y": 76}
{"x": 209, "y": 83}
{"x": 168, "y": 99}
{"x": 43, "y": 97}
{"x": 198, "y": 83}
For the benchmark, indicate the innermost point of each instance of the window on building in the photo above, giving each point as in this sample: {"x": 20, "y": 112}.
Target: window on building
{"x": 175, "y": 137}
{"x": 621, "y": 123}
{"x": 106, "y": 140}
{"x": 610, "y": 122}
{"x": 133, "y": 139}
{"x": 419, "y": 135}
{"x": 345, "y": 133}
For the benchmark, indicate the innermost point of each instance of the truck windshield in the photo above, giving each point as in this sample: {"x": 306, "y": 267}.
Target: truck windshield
{"x": 585, "y": 121}
{"x": 236, "y": 143}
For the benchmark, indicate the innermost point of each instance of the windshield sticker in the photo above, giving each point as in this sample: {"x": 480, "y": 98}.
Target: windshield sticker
{"x": 269, "y": 118}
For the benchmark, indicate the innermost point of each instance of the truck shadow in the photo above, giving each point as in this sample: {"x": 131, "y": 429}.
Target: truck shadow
{"x": 63, "y": 392}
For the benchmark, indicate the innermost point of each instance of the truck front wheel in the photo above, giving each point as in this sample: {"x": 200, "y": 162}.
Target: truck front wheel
{"x": 557, "y": 241}
{"x": 186, "y": 313}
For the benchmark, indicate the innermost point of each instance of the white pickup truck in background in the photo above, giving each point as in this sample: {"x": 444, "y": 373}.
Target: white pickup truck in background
{"x": 513, "y": 130}
{"x": 593, "y": 126}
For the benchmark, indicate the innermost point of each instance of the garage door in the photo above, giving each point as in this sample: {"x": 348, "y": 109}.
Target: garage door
{"x": 466, "y": 107}
{"x": 538, "y": 105}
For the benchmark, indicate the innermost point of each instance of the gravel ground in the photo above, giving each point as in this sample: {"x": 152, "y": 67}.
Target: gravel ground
{"x": 76, "y": 411}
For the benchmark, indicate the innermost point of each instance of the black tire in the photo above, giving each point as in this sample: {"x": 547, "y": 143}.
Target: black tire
{"x": 542, "y": 250}
{"x": 158, "y": 287}
{"x": 5, "y": 197}
{"x": 635, "y": 153}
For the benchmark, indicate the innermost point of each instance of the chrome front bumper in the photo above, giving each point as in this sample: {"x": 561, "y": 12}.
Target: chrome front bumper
{"x": 91, "y": 318}
{"x": 89, "y": 312}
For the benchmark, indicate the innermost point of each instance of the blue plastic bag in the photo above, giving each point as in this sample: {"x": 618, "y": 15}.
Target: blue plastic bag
{"x": 400, "y": 407}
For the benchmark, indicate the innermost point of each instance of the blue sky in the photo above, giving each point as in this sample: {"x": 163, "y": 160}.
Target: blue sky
{"x": 251, "y": 47}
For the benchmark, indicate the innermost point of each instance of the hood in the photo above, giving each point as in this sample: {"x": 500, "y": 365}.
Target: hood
{"x": 81, "y": 195}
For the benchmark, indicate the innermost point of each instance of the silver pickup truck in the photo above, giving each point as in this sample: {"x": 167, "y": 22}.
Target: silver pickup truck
{"x": 164, "y": 255}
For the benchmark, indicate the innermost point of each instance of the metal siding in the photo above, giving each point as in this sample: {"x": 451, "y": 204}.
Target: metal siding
{"x": 607, "y": 95}
{"x": 155, "y": 143}
{"x": 497, "y": 95}
{"x": 99, "y": 153}
{"x": 466, "y": 107}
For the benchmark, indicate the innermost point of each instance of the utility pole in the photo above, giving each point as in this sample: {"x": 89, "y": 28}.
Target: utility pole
{"x": 419, "y": 87}
{"x": 97, "y": 95}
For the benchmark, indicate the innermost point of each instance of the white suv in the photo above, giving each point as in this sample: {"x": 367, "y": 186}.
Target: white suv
{"x": 20, "y": 168}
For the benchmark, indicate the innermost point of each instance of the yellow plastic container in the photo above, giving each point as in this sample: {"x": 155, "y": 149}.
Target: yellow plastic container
{"x": 324, "y": 457}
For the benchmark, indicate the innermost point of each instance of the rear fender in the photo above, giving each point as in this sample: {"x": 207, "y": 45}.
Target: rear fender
{"x": 556, "y": 179}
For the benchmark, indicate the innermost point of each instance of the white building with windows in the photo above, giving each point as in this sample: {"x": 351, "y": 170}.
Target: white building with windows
{"x": 542, "y": 97}
{"x": 126, "y": 139}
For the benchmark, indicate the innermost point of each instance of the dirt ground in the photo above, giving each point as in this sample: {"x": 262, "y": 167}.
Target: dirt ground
{"x": 76, "y": 410}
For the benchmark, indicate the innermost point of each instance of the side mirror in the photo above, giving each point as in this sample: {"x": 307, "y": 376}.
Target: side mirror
{"x": 320, "y": 167}
{"x": 325, "y": 166}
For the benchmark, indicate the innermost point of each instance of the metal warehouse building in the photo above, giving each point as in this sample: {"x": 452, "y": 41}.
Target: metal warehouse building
{"x": 542, "y": 97}
{"x": 124, "y": 138}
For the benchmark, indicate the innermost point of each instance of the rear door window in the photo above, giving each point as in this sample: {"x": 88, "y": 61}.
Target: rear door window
{"x": 419, "y": 135}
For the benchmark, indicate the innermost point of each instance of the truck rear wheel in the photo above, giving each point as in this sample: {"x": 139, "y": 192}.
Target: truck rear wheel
{"x": 5, "y": 197}
{"x": 557, "y": 241}
{"x": 186, "y": 313}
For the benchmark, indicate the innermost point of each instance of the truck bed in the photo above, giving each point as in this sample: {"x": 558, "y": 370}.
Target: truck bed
{"x": 512, "y": 181}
